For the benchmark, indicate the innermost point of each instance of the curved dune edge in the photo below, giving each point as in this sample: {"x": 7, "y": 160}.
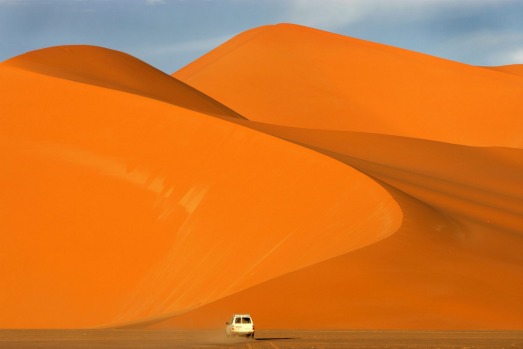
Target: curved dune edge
{"x": 303, "y": 77}
{"x": 455, "y": 263}
{"x": 481, "y": 184}
{"x": 435, "y": 273}
{"x": 117, "y": 70}
{"x": 131, "y": 210}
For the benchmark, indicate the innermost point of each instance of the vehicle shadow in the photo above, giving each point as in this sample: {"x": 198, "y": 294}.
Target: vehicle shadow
{"x": 274, "y": 338}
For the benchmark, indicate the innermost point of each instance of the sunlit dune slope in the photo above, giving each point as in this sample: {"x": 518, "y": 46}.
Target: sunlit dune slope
{"x": 302, "y": 77}
{"x": 119, "y": 209}
{"x": 455, "y": 263}
{"x": 117, "y": 70}
{"x": 435, "y": 273}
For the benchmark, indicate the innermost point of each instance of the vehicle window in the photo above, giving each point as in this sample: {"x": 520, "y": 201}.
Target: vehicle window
{"x": 246, "y": 320}
{"x": 238, "y": 320}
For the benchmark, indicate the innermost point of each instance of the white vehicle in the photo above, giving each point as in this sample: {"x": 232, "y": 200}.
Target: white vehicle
{"x": 240, "y": 325}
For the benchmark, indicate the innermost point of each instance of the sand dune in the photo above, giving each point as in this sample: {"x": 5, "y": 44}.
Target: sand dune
{"x": 455, "y": 263}
{"x": 313, "y": 180}
{"x": 481, "y": 184}
{"x": 302, "y": 77}
{"x": 462, "y": 201}
{"x": 118, "y": 208}
{"x": 116, "y": 70}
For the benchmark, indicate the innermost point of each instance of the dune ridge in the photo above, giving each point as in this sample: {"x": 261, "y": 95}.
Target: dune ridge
{"x": 362, "y": 187}
{"x": 460, "y": 184}
{"x": 117, "y": 70}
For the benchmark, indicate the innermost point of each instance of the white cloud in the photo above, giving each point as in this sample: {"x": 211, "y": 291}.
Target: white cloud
{"x": 335, "y": 14}
{"x": 516, "y": 56}
{"x": 509, "y": 56}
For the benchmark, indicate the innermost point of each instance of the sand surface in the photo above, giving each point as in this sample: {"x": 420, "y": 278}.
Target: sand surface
{"x": 313, "y": 180}
{"x": 146, "y": 339}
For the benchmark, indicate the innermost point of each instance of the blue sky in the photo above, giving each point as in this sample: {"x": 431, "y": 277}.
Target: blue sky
{"x": 169, "y": 34}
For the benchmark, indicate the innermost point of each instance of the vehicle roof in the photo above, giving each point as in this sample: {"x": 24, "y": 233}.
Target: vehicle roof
{"x": 249, "y": 315}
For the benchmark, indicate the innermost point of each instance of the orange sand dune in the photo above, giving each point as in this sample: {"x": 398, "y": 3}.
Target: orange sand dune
{"x": 116, "y": 70}
{"x": 455, "y": 263}
{"x": 481, "y": 184}
{"x": 363, "y": 186}
{"x": 302, "y": 77}
{"x": 435, "y": 273}
{"x": 119, "y": 209}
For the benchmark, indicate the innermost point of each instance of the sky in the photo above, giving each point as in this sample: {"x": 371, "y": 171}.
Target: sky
{"x": 169, "y": 34}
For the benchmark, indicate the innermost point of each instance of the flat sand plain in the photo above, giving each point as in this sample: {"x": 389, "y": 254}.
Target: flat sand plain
{"x": 265, "y": 339}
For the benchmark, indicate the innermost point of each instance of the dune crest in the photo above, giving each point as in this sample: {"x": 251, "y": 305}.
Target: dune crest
{"x": 461, "y": 185}
{"x": 117, "y": 70}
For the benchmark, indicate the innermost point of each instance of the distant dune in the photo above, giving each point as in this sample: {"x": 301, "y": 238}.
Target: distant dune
{"x": 302, "y": 77}
{"x": 313, "y": 180}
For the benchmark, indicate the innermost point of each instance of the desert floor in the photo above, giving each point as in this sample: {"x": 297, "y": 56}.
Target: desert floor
{"x": 264, "y": 339}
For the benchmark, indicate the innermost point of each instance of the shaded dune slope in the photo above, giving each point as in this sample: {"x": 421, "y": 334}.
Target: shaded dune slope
{"x": 479, "y": 183}
{"x": 367, "y": 187}
{"x": 117, "y": 70}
